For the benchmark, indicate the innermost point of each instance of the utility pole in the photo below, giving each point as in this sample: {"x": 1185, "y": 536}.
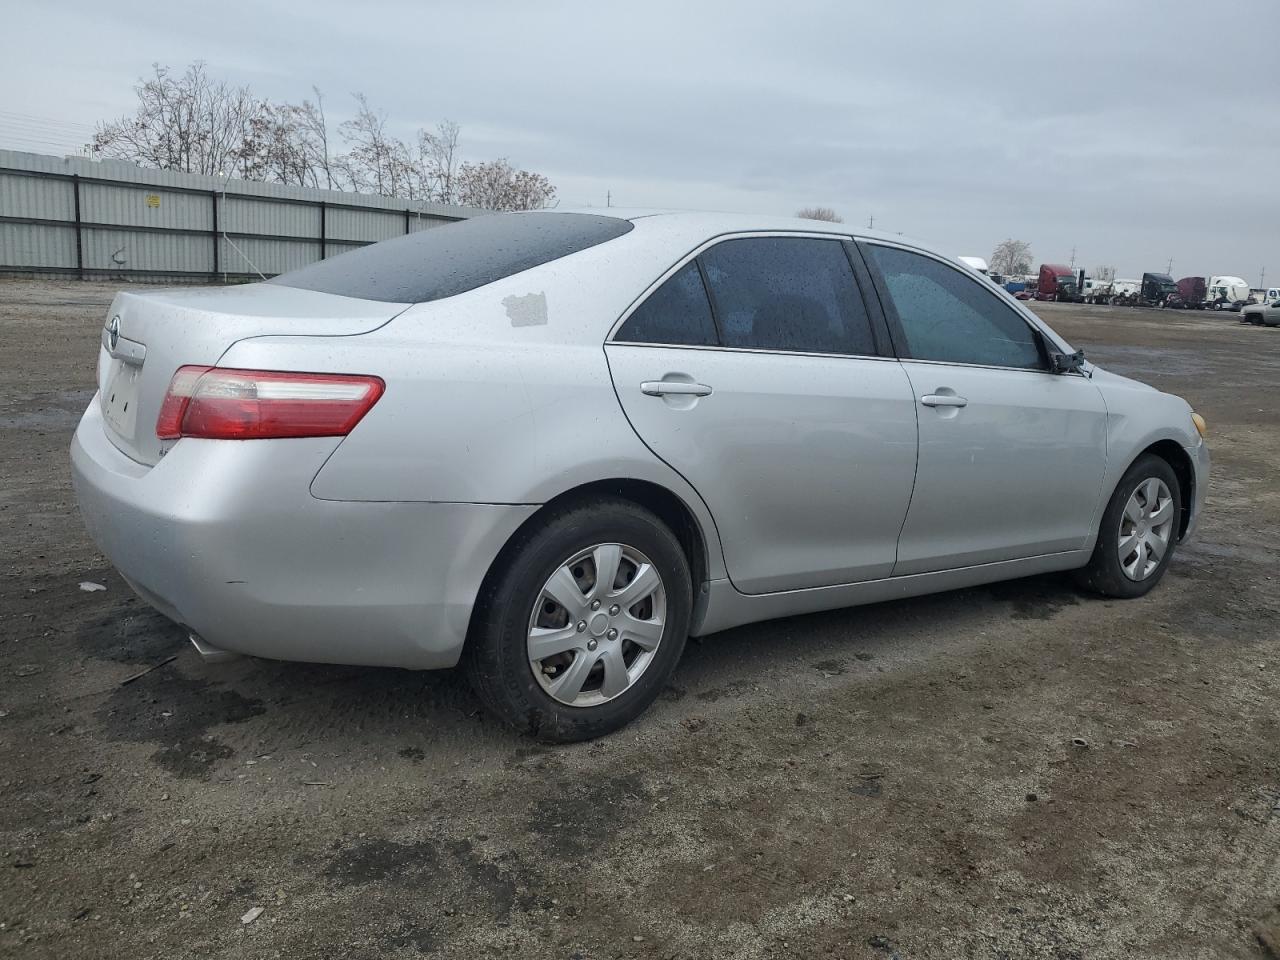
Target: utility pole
{"x": 1262, "y": 280}
{"x": 1073, "y": 258}
{"x": 871, "y": 221}
{"x": 1169, "y": 268}
{"x": 608, "y": 198}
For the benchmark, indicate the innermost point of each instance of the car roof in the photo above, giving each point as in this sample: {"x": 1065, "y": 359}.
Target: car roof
{"x": 713, "y": 223}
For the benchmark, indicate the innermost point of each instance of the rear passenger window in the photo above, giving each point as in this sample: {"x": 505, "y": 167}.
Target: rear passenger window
{"x": 946, "y": 315}
{"x": 677, "y": 312}
{"x": 788, "y": 293}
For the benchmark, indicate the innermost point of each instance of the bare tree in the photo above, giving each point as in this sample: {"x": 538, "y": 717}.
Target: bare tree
{"x": 189, "y": 123}
{"x": 437, "y": 162}
{"x": 1105, "y": 274}
{"x": 280, "y": 146}
{"x": 1011, "y": 258}
{"x": 496, "y": 185}
{"x": 314, "y": 129}
{"x": 375, "y": 161}
{"x": 819, "y": 213}
{"x": 194, "y": 124}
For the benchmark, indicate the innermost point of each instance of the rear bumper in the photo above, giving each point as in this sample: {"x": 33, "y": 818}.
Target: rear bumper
{"x": 225, "y": 538}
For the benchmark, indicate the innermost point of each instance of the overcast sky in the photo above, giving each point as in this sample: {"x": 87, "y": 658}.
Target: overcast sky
{"x": 1133, "y": 131}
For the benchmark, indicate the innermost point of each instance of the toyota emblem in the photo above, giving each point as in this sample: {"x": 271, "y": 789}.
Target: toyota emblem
{"x": 113, "y": 332}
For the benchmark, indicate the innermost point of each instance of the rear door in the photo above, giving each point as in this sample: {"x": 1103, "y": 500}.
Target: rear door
{"x": 1011, "y": 455}
{"x": 773, "y": 398}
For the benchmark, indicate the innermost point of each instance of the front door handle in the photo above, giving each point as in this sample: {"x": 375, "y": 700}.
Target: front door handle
{"x": 682, "y": 388}
{"x": 943, "y": 400}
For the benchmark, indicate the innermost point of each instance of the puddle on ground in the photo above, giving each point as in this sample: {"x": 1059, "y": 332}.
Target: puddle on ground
{"x": 62, "y": 413}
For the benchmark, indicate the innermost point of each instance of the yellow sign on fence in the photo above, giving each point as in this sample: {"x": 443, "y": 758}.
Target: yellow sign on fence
{"x": 153, "y": 200}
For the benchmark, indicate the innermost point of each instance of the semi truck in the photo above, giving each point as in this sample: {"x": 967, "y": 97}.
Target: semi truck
{"x": 1189, "y": 295}
{"x": 1154, "y": 290}
{"x": 1057, "y": 282}
{"x": 1227, "y": 293}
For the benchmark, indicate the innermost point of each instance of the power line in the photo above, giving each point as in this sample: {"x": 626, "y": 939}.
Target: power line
{"x": 19, "y": 131}
{"x": 27, "y": 118}
{"x": 37, "y": 141}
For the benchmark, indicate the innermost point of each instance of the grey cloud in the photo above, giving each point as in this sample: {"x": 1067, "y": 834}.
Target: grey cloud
{"x": 1125, "y": 130}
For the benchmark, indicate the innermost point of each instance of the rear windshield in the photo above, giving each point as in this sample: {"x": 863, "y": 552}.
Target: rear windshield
{"x": 443, "y": 261}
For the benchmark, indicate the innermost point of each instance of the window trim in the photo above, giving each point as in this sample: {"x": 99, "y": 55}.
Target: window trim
{"x": 1044, "y": 336}
{"x": 884, "y": 350}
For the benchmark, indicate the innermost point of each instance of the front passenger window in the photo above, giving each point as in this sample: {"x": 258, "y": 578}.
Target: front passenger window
{"x": 947, "y": 316}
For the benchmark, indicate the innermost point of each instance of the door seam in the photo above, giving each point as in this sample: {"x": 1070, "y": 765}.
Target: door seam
{"x": 915, "y": 474}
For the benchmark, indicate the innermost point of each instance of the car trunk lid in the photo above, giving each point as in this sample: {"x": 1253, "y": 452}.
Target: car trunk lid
{"x": 148, "y": 335}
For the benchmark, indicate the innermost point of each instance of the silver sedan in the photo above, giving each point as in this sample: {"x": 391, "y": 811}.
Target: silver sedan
{"x": 554, "y": 445}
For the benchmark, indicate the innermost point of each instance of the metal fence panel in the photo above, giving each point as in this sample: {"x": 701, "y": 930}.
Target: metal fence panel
{"x": 125, "y": 250}
{"x": 145, "y": 206}
{"x": 366, "y": 225}
{"x": 89, "y": 218}
{"x": 254, "y": 215}
{"x": 22, "y": 196}
{"x": 241, "y": 255}
{"x": 424, "y": 223}
{"x": 38, "y": 246}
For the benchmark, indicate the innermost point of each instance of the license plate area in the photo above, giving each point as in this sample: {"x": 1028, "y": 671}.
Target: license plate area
{"x": 120, "y": 398}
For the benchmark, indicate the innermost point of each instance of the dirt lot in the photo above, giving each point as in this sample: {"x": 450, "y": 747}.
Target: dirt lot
{"x": 897, "y": 780}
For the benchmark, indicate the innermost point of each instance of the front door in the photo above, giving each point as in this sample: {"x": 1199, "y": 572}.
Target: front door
{"x": 1011, "y": 455}
{"x": 777, "y": 408}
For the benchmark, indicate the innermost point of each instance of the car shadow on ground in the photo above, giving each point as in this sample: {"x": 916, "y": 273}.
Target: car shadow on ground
{"x": 196, "y": 715}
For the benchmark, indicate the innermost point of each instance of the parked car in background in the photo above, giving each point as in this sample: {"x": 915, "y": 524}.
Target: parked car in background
{"x": 553, "y": 445}
{"x": 1262, "y": 314}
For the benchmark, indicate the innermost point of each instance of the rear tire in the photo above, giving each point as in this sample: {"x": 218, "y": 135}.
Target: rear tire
{"x": 1138, "y": 534}
{"x": 609, "y": 663}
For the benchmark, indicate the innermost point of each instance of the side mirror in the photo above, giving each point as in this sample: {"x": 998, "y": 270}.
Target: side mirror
{"x": 1066, "y": 362}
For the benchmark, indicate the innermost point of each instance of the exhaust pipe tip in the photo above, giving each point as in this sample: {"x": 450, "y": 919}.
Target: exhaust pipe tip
{"x": 211, "y": 654}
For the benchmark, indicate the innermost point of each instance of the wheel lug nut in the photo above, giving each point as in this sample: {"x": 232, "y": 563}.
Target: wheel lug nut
{"x": 612, "y": 634}
{"x": 582, "y": 625}
{"x": 595, "y": 604}
{"x": 591, "y": 644}
{"x": 613, "y": 611}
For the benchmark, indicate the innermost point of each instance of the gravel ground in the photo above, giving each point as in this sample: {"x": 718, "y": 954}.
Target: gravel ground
{"x": 897, "y": 780}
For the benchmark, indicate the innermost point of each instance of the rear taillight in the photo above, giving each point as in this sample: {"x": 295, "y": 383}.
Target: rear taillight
{"x": 225, "y": 404}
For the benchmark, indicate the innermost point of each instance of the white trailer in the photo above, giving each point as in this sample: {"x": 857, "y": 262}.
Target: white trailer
{"x": 1109, "y": 291}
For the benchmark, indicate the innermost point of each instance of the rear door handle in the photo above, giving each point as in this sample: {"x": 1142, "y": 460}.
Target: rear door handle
{"x": 943, "y": 400}
{"x": 661, "y": 388}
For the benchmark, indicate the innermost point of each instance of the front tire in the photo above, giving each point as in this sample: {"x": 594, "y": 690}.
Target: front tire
{"x": 582, "y": 625}
{"x": 1138, "y": 534}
